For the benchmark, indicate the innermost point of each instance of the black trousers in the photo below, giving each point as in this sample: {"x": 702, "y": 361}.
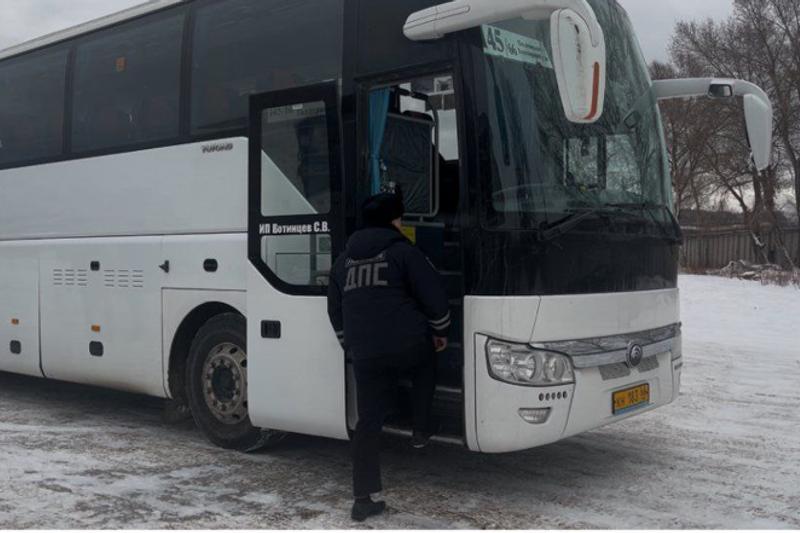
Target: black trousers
{"x": 376, "y": 389}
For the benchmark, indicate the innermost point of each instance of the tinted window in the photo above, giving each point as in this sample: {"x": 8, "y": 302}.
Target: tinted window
{"x": 296, "y": 160}
{"x": 127, "y": 86}
{"x": 32, "y": 107}
{"x": 296, "y": 180}
{"x": 244, "y": 47}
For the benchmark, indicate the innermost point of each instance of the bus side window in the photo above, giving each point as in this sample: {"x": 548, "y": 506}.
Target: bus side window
{"x": 32, "y": 106}
{"x": 253, "y": 46}
{"x": 127, "y": 85}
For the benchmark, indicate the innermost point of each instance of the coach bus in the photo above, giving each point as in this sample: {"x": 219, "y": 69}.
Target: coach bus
{"x": 176, "y": 179}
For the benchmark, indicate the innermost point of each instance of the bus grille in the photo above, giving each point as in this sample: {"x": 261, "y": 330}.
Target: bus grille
{"x": 621, "y": 370}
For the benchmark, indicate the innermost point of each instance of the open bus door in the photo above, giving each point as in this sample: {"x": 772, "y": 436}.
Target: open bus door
{"x": 297, "y": 367}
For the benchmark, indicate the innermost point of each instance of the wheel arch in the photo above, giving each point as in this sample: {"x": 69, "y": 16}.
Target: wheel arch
{"x": 182, "y": 341}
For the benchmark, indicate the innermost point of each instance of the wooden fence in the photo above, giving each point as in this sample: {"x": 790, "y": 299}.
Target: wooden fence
{"x": 715, "y": 249}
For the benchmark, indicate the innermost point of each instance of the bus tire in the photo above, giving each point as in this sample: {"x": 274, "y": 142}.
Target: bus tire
{"x": 216, "y": 385}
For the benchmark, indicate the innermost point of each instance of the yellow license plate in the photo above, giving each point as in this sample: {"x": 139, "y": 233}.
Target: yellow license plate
{"x": 630, "y": 399}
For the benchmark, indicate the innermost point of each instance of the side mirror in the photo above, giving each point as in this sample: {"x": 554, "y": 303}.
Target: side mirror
{"x": 757, "y": 108}
{"x": 758, "y": 116}
{"x": 578, "y": 42}
{"x": 580, "y": 67}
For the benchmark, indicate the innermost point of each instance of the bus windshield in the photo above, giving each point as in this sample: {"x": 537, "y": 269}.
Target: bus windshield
{"x": 542, "y": 168}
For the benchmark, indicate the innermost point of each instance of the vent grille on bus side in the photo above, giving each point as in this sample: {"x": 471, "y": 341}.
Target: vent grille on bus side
{"x": 112, "y": 279}
{"x": 70, "y": 277}
{"x": 123, "y": 279}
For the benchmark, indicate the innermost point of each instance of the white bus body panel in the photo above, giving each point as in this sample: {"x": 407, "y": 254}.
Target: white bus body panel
{"x": 187, "y": 255}
{"x": 19, "y": 313}
{"x": 296, "y": 382}
{"x": 507, "y": 318}
{"x": 130, "y": 212}
{"x": 189, "y": 286}
{"x": 493, "y": 422}
{"x": 127, "y": 298}
{"x": 122, "y": 298}
{"x": 185, "y": 189}
{"x": 602, "y": 315}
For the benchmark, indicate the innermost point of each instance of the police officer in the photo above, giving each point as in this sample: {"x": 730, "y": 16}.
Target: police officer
{"x": 390, "y": 311}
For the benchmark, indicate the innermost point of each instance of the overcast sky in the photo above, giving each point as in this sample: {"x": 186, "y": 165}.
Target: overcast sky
{"x": 21, "y": 20}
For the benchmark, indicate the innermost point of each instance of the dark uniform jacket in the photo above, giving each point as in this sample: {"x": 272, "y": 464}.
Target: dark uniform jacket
{"x": 385, "y": 297}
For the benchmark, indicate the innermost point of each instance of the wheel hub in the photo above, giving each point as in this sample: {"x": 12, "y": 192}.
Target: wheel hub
{"x": 225, "y": 383}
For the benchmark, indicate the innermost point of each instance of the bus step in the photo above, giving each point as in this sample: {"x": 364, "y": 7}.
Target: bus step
{"x": 407, "y": 433}
{"x": 442, "y": 392}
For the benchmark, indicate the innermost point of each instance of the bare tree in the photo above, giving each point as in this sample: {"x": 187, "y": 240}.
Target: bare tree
{"x": 689, "y": 126}
{"x": 786, "y": 19}
{"x": 758, "y": 43}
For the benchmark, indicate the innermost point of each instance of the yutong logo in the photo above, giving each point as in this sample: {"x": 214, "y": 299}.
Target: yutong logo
{"x": 635, "y": 355}
{"x": 219, "y": 147}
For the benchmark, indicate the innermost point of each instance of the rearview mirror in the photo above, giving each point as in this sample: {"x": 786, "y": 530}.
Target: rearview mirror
{"x": 578, "y": 43}
{"x": 758, "y": 116}
{"x": 757, "y": 108}
{"x": 580, "y": 67}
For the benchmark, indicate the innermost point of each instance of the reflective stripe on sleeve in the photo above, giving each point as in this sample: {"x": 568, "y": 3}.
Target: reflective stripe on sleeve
{"x": 442, "y": 327}
{"x": 442, "y": 323}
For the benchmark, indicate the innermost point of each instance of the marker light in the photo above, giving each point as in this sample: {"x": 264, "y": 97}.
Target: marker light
{"x": 519, "y": 364}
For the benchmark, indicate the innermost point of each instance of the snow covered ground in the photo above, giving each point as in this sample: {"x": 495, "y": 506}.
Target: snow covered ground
{"x": 726, "y": 454}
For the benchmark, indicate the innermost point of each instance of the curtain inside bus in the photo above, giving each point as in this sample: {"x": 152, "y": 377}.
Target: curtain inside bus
{"x": 378, "y": 116}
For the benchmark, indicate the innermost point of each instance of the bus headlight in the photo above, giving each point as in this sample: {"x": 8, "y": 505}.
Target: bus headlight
{"x": 520, "y": 364}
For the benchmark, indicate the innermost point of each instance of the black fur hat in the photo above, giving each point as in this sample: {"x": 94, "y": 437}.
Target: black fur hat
{"x": 380, "y": 210}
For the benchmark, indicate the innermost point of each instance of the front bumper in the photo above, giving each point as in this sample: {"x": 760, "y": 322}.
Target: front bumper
{"x": 494, "y": 423}
{"x": 584, "y": 405}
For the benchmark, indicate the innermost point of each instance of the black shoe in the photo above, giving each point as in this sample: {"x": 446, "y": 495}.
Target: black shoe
{"x": 420, "y": 440}
{"x": 365, "y": 509}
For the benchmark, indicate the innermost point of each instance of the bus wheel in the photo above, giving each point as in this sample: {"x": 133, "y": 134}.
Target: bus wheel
{"x": 217, "y": 385}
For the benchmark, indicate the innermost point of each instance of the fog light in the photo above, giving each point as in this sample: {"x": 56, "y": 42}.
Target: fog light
{"x": 535, "y": 416}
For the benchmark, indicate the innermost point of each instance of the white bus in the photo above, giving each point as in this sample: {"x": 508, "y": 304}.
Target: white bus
{"x": 176, "y": 179}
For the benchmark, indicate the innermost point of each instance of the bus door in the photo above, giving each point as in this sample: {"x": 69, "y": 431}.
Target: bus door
{"x": 296, "y": 374}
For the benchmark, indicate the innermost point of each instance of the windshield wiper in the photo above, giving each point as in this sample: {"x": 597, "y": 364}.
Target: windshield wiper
{"x": 648, "y": 207}
{"x": 550, "y": 232}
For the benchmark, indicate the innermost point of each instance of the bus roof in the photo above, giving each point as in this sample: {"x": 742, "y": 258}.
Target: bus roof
{"x": 87, "y": 27}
